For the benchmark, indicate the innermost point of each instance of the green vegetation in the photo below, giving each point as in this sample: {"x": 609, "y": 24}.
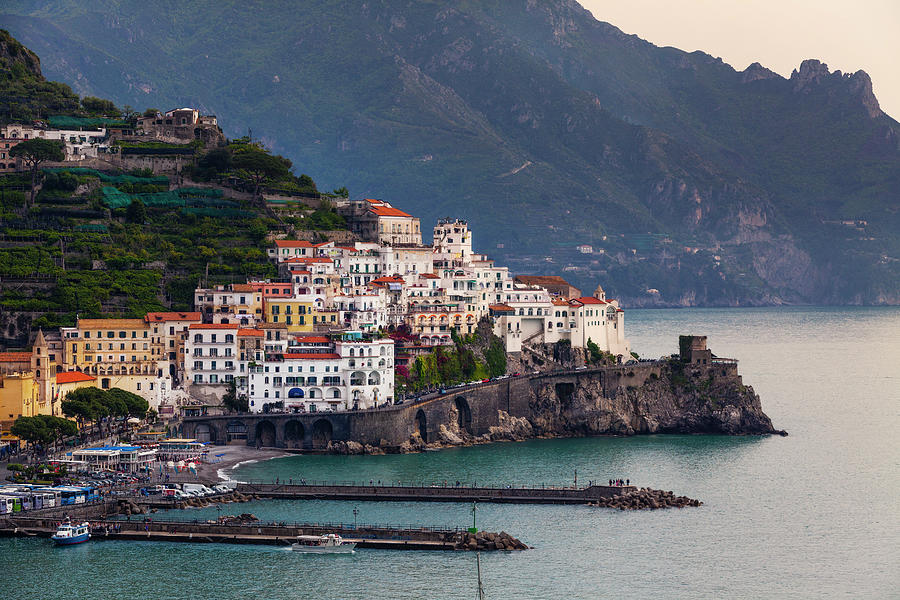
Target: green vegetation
{"x": 456, "y": 364}
{"x": 718, "y": 157}
{"x": 43, "y": 429}
{"x": 232, "y": 402}
{"x": 34, "y": 153}
{"x": 90, "y": 404}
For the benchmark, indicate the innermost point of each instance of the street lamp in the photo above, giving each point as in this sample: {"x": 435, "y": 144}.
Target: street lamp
{"x": 355, "y": 512}
{"x": 219, "y": 514}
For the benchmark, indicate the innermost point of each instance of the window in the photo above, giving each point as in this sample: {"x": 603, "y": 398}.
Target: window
{"x": 139, "y": 386}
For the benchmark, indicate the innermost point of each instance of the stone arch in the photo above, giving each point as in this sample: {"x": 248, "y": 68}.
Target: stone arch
{"x": 374, "y": 378}
{"x": 204, "y": 432}
{"x": 422, "y": 425}
{"x": 235, "y": 431}
{"x": 265, "y": 434}
{"x": 293, "y": 434}
{"x": 322, "y": 431}
{"x": 463, "y": 414}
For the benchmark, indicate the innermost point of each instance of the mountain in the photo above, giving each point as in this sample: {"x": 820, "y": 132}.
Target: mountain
{"x": 692, "y": 182}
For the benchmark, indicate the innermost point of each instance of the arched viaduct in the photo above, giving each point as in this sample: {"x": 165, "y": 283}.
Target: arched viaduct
{"x": 474, "y": 408}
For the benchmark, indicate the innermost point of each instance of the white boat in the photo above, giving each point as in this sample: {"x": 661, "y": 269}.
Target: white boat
{"x": 323, "y": 544}
{"x": 68, "y": 534}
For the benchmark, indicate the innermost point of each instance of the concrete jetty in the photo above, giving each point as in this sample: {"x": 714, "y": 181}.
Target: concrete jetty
{"x": 542, "y": 494}
{"x": 273, "y": 534}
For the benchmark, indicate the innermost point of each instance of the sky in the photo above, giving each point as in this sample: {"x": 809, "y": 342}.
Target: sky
{"x": 845, "y": 34}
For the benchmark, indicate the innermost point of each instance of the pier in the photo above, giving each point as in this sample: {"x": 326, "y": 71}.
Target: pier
{"x": 383, "y": 537}
{"x": 535, "y": 494}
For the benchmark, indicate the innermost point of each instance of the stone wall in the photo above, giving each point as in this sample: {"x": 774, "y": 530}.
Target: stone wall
{"x": 650, "y": 397}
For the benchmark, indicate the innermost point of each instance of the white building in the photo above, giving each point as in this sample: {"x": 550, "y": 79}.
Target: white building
{"x": 211, "y": 354}
{"x": 317, "y": 375}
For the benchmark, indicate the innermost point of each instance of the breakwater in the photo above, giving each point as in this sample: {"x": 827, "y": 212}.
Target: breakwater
{"x": 542, "y": 494}
{"x": 385, "y": 537}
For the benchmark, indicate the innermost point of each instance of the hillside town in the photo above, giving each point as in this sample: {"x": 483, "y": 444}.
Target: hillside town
{"x": 319, "y": 337}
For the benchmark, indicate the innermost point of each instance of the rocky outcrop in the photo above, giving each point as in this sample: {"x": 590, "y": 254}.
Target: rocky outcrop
{"x": 682, "y": 399}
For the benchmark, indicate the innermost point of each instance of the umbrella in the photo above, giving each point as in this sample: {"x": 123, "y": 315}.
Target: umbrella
{"x": 134, "y": 421}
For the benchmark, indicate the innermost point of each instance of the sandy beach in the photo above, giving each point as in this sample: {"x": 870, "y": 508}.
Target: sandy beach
{"x": 215, "y": 472}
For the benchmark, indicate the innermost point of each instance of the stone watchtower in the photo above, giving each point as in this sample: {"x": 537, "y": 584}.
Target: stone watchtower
{"x": 693, "y": 350}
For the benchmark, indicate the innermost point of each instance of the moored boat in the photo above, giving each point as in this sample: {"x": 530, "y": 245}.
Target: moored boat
{"x": 323, "y": 544}
{"x": 68, "y": 534}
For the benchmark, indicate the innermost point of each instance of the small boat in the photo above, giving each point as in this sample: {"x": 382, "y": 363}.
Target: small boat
{"x": 68, "y": 534}
{"x": 323, "y": 544}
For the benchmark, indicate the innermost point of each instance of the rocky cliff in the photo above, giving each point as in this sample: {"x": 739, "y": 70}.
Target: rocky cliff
{"x": 681, "y": 399}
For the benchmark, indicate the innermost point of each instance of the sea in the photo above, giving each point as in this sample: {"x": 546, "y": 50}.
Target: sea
{"x": 812, "y": 515}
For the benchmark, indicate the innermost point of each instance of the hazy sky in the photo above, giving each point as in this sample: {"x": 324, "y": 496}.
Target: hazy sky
{"x": 845, "y": 34}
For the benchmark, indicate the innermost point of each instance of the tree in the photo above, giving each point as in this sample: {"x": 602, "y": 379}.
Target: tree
{"x": 214, "y": 162}
{"x": 151, "y": 112}
{"x": 495, "y": 356}
{"x": 36, "y": 151}
{"x": 342, "y": 191}
{"x": 99, "y": 106}
{"x": 32, "y": 430}
{"x": 232, "y": 401}
{"x": 129, "y": 114}
{"x": 136, "y": 212}
{"x": 135, "y": 405}
{"x": 84, "y": 404}
{"x": 594, "y": 351}
{"x": 260, "y": 167}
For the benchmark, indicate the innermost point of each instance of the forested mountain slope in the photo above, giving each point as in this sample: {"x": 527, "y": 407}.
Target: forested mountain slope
{"x": 692, "y": 182}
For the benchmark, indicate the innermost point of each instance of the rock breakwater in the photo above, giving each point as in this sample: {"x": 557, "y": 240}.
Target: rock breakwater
{"x": 484, "y": 540}
{"x": 646, "y": 499}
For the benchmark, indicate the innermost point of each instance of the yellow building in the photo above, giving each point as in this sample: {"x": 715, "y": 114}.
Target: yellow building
{"x": 296, "y": 315}
{"x": 47, "y": 358}
{"x": 118, "y": 352}
{"x": 18, "y": 397}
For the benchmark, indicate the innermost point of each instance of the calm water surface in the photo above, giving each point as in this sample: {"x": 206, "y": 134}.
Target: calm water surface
{"x": 813, "y": 515}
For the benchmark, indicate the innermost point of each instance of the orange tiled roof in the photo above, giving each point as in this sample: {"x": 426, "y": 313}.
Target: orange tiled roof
{"x": 501, "y": 307}
{"x": 293, "y": 244}
{"x": 590, "y": 300}
{"x": 253, "y": 332}
{"x": 309, "y": 259}
{"x": 429, "y": 276}
{"x": 313, "y": 339}
{"x": 15, "y": 356}
{"x": 213, "y": 326}
{"x": 304, "y": 356}
{"x": 388, "y": 211}
{"x": 73, "y": 377}
{"x": 111, "y": 323}
{"x": 158, "y": 317}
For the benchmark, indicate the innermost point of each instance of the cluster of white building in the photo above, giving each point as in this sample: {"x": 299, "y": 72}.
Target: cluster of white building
{"x": 316, "y": 338}
{"x": 313, "y": 339}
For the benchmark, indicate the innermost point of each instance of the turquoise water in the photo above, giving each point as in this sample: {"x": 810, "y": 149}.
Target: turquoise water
{"x": 812, "y": 515}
